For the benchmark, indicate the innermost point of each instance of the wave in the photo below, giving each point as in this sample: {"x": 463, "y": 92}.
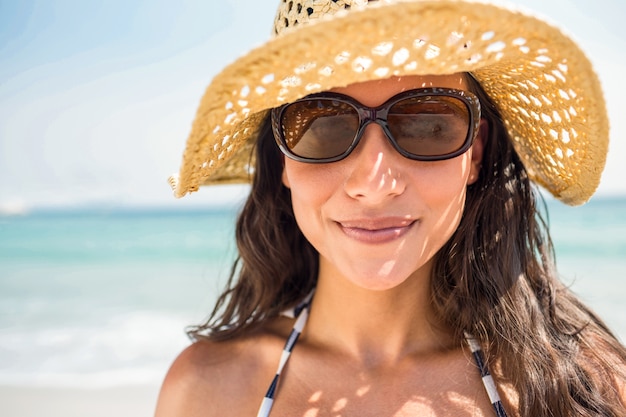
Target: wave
{"x": 135, "y": 348}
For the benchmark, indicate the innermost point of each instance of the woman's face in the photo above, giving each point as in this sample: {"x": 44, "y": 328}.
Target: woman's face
{"x": 377, "y": 217}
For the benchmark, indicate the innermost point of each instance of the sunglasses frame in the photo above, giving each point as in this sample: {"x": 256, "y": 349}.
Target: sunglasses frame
{"x": 378, "y": 115}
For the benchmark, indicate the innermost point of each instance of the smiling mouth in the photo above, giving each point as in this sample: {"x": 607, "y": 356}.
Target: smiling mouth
{"x": 376, "y": 231}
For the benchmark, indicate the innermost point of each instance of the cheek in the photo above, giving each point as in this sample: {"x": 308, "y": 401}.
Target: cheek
{"x": 311, "y": 186}
{"x": 310, "y": 193}
{"x": 443, "y": 188}
{"x": 300, "y": 176}
{"x": 443, "y": 180}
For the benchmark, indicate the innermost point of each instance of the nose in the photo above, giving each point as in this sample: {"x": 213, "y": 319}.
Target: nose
{"x": 375, "y": 168}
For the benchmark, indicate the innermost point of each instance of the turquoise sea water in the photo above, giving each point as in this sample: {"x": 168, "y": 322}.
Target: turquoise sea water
{"x": 101, "y": 298}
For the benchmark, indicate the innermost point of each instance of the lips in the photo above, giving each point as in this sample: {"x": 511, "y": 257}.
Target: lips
{"x": 376, "y": 230}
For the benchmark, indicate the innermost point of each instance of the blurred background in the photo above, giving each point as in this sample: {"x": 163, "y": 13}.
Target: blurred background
{"x": 100, "y": 267}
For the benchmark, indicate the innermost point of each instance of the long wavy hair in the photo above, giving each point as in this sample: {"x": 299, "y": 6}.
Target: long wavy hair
{"x": 494, "y": 278}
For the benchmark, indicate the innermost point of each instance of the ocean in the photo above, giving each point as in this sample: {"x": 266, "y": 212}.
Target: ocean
{"x": 101, "y": 298}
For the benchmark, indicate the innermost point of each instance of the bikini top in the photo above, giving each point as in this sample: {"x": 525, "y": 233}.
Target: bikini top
{"x": 301, "y": 313}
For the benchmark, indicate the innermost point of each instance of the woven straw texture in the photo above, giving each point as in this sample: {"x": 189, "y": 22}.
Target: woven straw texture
{"x": 544, "y": 86}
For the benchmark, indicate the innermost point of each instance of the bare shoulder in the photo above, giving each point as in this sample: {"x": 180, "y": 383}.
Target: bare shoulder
{"x": 192, "y": 382}
{"x": 221, "y": 378}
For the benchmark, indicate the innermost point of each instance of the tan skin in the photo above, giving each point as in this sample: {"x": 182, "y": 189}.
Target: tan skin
{"x": 372, "y": 346}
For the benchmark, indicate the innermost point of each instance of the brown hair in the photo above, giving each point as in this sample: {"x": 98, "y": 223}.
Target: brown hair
{"x": 495, "y": 278}
{"x": 277, "y": 266}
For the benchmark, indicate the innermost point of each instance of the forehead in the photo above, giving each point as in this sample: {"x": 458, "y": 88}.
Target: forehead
{"x": 374, "y": 93}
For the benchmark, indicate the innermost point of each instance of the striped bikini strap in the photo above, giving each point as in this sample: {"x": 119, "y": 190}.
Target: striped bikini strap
{"x": 488, "y": 382}
{"x": 301, "y": 311}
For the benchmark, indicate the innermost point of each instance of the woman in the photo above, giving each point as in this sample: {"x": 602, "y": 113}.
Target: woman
{"x": 391, "y": 247}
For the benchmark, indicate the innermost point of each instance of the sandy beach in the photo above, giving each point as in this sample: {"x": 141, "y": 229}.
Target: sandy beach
{"x": 128, "y": 401}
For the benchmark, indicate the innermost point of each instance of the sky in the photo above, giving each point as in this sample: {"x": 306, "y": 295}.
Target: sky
{"x": 97, "y": 97}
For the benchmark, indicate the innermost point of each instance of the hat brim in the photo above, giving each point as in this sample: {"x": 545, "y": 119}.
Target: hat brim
{"x": 544, "y": 86}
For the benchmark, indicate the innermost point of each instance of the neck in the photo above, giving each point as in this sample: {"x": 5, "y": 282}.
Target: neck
{"x": 376, "y": 327}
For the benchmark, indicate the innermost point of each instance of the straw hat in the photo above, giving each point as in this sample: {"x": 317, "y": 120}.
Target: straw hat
{"x": 541, "y": 81}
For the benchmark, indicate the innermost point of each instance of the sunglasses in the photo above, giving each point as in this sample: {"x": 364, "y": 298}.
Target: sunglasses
{"x": 426, "y": 124}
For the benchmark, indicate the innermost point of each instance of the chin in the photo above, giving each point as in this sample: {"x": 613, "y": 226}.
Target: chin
{"x": 383, "y": 281}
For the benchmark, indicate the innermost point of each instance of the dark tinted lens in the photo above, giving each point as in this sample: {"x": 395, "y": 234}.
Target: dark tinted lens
{"x": 319, "y": 128}
{"x": 429, "y": 125}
